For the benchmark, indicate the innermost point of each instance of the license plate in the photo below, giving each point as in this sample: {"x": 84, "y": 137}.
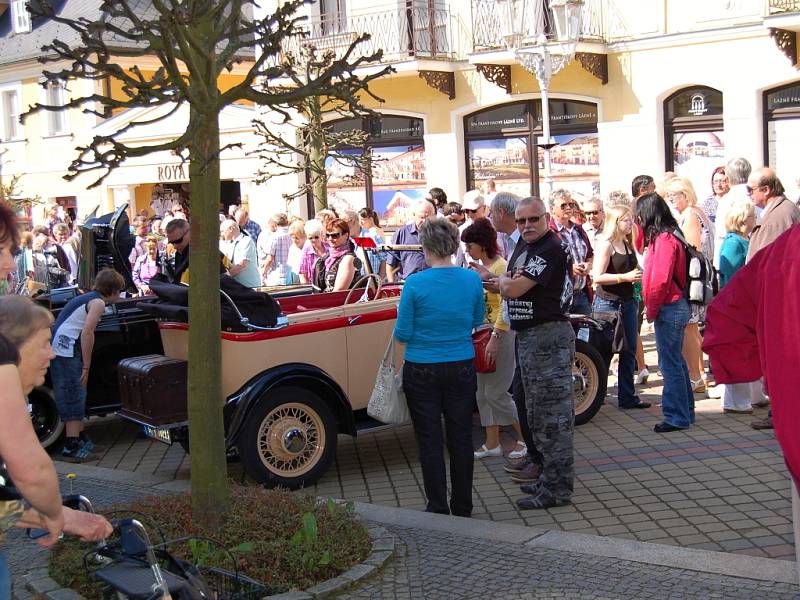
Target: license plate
{"x": 158, "y": 433}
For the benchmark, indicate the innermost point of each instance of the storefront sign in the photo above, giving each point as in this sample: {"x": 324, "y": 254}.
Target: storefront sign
{"x": 785, "y": 98}
{"x": 694, "y": 102}
{"x": 173, "y": 173}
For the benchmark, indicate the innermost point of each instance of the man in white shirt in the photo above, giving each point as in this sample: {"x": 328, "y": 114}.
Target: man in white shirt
{"x": 241, "y": 252}
{"x": 593, "y": 209}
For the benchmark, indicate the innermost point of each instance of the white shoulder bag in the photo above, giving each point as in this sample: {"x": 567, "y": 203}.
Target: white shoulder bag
{"x": 387, "y": 403}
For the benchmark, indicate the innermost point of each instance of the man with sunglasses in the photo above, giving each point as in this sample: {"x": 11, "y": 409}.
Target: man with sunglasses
{"x": 593, "y": 209}
{"x": 562, "y": 208}
{"x": 538, "y": 291}
{"x": 176, "y": 268}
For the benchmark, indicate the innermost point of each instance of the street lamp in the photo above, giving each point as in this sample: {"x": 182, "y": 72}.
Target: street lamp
{"x": 525, "y": 19}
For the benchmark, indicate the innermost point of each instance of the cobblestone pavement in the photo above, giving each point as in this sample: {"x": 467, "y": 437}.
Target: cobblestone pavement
{"x": 433, "y": 564}
{"x": 718, "y": 486}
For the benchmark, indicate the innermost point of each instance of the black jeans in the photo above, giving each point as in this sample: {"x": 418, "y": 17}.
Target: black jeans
{"x": 433, "y": 390}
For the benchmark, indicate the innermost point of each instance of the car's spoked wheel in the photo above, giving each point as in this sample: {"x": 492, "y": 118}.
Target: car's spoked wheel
{"x": 291, "y": 439}
{"x": 44, "y": 417}
{"x": 589, "y": 383}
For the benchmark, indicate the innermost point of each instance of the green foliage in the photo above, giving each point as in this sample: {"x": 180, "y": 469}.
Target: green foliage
{"x": 285, "y": 540}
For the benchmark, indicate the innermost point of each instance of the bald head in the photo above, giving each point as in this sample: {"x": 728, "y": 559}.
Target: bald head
{"x": 532, "y": 218}
{"x": 764, "y": 186}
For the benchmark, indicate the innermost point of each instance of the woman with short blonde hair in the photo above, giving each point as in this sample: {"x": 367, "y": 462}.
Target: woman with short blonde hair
{"x": 699, "y": 232}
{"x": 740, "y": 217}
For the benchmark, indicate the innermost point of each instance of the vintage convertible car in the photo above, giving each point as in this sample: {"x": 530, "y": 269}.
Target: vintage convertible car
{"x": 289, "y": 390}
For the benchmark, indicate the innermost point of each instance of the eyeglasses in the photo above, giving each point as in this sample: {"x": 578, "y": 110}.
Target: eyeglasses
{"x": 750, "y": 190}
{"x": 591, "y": 213}
{"x": 176, "y": 242}
{"x": 523, "y": 220}
{"x": 567, "y": 205}
{"x": 333, "y": 234}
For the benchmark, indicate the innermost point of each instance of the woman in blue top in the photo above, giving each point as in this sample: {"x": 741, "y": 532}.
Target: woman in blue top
{"x": 740, "y": 218}
{"x": 439, "y": 308}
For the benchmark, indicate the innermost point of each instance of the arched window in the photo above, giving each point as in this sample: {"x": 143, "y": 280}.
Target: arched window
{"x": 397, "y": 174}
{"x": 501, "y": 140}
{"x": 782, "y": 135}
{"x": 695, "y": 144}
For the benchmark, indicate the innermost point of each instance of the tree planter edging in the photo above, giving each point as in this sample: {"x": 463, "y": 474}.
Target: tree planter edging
{"x": 38, "y": 581}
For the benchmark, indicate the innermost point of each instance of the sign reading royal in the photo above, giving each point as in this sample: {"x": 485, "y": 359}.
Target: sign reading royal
{"x": 177, "y": 172}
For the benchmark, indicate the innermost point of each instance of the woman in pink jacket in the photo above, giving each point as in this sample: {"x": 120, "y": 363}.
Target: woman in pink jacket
{"x": 663, "y": 283}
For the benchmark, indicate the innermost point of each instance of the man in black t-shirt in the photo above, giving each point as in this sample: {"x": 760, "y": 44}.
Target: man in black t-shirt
{"x": 539, "y": 295}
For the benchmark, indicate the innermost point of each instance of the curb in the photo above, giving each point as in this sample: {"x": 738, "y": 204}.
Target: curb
{"x": 38, "y": 581}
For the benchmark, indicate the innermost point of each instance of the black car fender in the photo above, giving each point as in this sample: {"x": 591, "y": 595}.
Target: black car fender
{"x": 239, "y": 405}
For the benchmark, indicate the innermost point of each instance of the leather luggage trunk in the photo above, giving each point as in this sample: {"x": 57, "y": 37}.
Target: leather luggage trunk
{"x": 153, "y": 389}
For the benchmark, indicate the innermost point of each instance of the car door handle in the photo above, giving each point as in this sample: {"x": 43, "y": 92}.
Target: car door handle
{"x": 353, "y": 320}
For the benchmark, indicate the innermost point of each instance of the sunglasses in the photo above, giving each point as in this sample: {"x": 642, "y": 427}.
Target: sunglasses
{"x": 313, "y": 237}
{"x": 333, "y": 234}
{"x": 750, "y": 190}
{"x": 567, "y": 205}
{"x": 523, "y": 220}
{"x": 176, "y": 242}
{"x": 591, "y": 213}
{"x": 469, "y": 211}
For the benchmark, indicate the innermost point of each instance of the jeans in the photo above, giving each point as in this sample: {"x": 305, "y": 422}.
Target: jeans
{"x": 677, "y": 398}
{"x": 580, "y": 303}
{"x": 627, "y": 309}
{"x": 69, "y": 394}
{"x": 433, "y": 390}
{"x": 5, "y": 578}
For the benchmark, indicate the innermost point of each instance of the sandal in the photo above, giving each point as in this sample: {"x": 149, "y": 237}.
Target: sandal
{"x": 522, "y": 450}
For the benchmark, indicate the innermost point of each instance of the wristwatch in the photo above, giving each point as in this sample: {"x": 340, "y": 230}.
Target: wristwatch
{"x": 495, "y": 334}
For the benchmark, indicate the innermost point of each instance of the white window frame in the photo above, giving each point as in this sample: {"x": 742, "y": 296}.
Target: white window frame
{"x": 20, "y": 17}
{"x": 10, "y": 119}
{"x": 55, "y": 122}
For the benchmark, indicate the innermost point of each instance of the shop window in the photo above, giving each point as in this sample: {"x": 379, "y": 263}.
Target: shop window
{"x": 501, "y": 140}
{"x": 386, "y": 174}
{"x": 695, "y": 135}
{"x": 782, "y": 135}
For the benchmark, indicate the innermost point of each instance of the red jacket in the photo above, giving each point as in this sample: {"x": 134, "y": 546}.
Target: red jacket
{"x": 752, "y": 330}
{"x": 664, "y": 276}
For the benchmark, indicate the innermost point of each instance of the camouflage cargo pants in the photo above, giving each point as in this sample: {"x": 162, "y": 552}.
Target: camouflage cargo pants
{"x": 546, "y": 357}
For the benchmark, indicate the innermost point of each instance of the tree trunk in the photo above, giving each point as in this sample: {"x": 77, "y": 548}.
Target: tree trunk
{"x": 206, "y": 429}
{"x": 316, "y": 154}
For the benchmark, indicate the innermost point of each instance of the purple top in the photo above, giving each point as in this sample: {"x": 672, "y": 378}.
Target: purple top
{"x": 144, "y": 269}
{"x": 308, "y": 260}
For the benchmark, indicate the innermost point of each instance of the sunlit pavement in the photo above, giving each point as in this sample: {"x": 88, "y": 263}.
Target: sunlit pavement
{"x": 717, "y": 486}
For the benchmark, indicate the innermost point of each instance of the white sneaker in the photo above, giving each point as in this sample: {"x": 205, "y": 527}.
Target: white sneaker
{"x": 642, "y": 376}
{"x": 483, "y": 452}
{"x": 522, "y": 450}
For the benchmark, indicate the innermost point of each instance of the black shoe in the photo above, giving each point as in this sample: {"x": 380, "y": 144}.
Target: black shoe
{"x": 530, "y": 488}
{"x": 666, "y": 428}
{"x": 640, "y": 404}
{"x": 541, "y": 501}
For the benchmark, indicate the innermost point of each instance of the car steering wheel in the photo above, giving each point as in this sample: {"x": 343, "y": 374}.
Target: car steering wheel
{"x": 370, "y": 276}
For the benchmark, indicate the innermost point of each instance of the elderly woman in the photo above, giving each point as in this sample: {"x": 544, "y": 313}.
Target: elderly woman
{"x": 615, "y": 271}
{"x": 27, "y": 463}
{"x": 338, "y": 269}
{"x": 241, "y": 251}
{"x": 699, "y": 232}
{"x": 315, "y": 248}
{"x": 719, "y": 187}
{"x": 740, "y": 218}
{"x": 146, "y": 266}
{"x": 495, "y": 404}
{"x": 297, "y": 234}
{"x": 439, "y": 371}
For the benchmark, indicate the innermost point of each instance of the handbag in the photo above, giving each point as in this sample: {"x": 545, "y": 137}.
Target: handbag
{"x": 387, "y": 403}
{"x": 479, "y": 340}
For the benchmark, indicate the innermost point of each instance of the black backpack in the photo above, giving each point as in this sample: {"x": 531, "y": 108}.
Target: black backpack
{"x": 702, "y": 281}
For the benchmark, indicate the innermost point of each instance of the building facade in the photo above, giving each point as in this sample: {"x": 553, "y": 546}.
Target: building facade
{"x": 655, "y": 86}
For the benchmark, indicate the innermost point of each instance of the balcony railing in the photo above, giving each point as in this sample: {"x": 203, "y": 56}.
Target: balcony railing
{"x": 487, "y": 24}
{"x": 777, "y": 7}
{"x": 402, "y": 35}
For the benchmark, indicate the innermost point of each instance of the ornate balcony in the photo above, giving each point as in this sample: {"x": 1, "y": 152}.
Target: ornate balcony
{"x": 410, "y": 34}
{"x": 779, "y": 7}
{"x": 487, "y": 26}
